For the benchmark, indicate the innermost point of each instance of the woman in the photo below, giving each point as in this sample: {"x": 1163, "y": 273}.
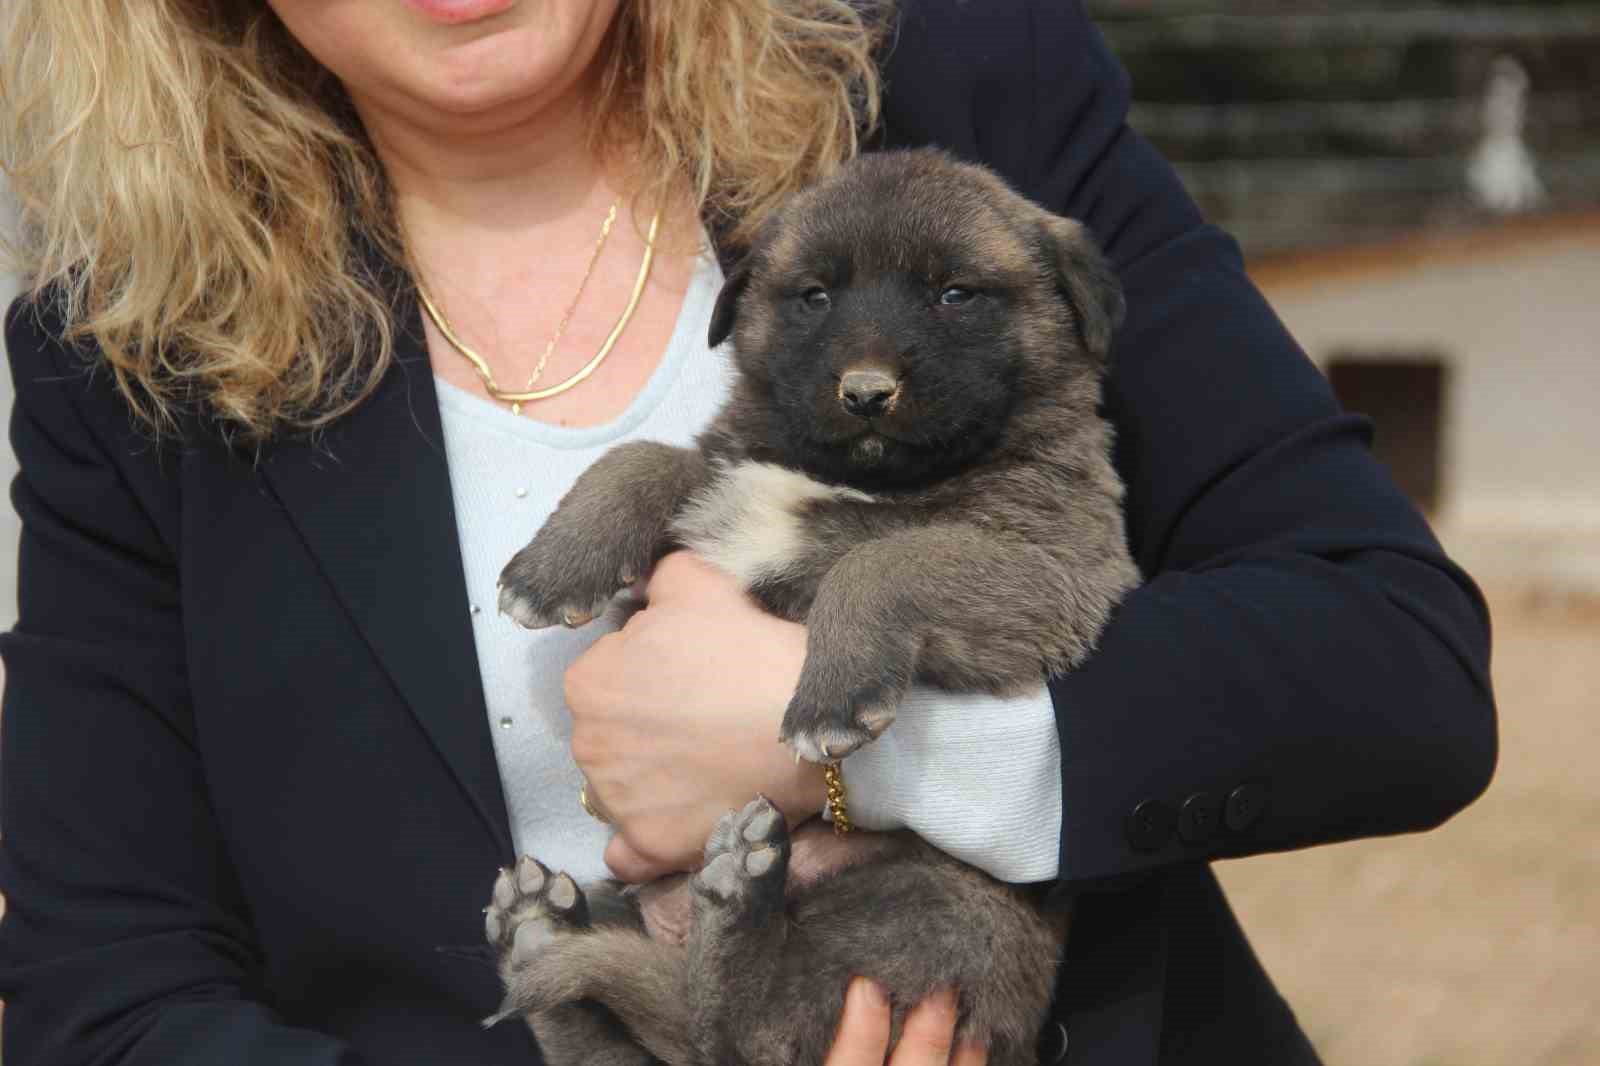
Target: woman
{"x": 260, "y": 745}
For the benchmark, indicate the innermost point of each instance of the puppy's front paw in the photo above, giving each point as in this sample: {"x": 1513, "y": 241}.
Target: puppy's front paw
{"x": 529, "y": 908}
{"x": 566, "y": 576}
{"x": 821, "y": 729}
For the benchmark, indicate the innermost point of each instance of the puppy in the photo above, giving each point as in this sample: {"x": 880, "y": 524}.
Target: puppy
{"x": 911, "y": 462}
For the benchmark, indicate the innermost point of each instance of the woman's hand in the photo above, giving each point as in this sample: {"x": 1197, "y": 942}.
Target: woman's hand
{"x": 675, "y": 718}
{"x": 927, "y": 1040}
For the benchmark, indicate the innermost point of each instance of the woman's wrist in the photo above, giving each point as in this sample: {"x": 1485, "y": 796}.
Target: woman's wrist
{"x": 800, "y": 791}
{"x": 675, "y": 717}
{"x": 810, "y": 794}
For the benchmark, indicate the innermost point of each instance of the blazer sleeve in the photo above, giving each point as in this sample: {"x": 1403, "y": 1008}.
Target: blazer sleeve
{"x": 126, "y": 937}
{"x": 1303, "y": 664}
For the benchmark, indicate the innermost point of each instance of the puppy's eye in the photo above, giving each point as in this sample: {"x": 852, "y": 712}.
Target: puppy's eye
{"x": 955, "y": 296}
{"x": 816, "y": 299}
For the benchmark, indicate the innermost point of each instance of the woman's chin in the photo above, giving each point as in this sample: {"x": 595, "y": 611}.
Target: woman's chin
{"x": 494, "y": 77}
{"x": 458, "y": 58}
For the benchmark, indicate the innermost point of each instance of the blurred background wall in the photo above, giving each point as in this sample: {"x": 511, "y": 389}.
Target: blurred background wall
{"x": 1416, "y": 186}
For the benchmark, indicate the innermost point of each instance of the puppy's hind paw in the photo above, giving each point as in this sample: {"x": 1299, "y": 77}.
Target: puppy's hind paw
{"x": 529, "y": 908}
{"x": 748, "y": 852}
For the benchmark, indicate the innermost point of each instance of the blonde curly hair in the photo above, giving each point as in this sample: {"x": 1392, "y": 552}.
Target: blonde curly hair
{"x": 187, "y": 174}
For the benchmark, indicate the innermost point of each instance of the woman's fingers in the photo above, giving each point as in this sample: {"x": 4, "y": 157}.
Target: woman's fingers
{"x": 675, "y": 718}
{"x": 970, "y": 1053}
{"x": 628, "y": 865}
{"x": 929, "y": 1033}
{"x": 928, "y": 1038}
{"x": 863, "y": 1037}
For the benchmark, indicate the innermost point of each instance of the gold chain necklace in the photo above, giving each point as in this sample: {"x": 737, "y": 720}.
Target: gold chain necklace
{"x": 530, "y": 394}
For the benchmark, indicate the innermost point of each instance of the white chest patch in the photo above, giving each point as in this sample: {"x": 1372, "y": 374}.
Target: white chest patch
{"x": 747, "y": 521}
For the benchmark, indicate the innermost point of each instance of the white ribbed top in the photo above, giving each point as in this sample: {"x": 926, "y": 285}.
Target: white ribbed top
{"x": 978, "y": 777}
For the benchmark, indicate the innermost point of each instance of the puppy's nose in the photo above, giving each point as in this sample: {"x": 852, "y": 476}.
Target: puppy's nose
{"x": 866, "y": 393}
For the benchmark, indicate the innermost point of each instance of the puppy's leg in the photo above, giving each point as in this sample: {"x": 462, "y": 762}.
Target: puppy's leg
{"x": 952, "y": 605}
{"x": 606, "y": 533}
{"x": 915, "y": 922}
{"x": 594, "y": 994}
{"x": 736, "y": 945}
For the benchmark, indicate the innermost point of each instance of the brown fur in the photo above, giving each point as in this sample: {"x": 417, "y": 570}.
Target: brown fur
{"x": 952, "y": 517}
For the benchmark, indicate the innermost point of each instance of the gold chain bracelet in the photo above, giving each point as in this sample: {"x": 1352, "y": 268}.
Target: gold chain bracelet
{"x": 836, "y": 798}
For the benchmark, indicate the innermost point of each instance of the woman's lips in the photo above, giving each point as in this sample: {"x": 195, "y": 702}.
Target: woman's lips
{"x": 454, "y": 11}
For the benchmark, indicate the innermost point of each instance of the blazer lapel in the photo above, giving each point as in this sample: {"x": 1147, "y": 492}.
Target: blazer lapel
{"x": 372, "y": 500}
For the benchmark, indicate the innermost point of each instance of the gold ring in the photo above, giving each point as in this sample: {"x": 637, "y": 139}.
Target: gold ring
{"x": 591, "y": 809}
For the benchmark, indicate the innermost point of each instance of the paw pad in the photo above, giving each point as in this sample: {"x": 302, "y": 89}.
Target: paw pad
{"x": 747, "y": 845}
{"x": 529, "y": 906}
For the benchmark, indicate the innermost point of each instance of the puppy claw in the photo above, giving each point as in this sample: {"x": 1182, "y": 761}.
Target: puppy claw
{"x": 555, "y": 582}
{"x": 521, "y": 609}
{"x": 828, "y": 736}
{"x": 828, "y": 744}
{"x": 499, "y": 1016}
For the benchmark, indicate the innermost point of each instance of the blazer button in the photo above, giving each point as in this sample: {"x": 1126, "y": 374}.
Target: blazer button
{"x": 1198, "y": 818}
{"x": 1150, "y": 825}
{"x": 1053, "y": 1044}
{"x": 1245, "y": 806}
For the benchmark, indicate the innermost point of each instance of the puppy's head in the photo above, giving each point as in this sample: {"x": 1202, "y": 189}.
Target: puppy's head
{"x": 895, "y": 317}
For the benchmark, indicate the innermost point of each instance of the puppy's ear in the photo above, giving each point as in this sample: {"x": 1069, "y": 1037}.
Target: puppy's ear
{"x": 1087, "y": 282}
{"x": 727, "y": 306}
{"x": 726, "y": 312}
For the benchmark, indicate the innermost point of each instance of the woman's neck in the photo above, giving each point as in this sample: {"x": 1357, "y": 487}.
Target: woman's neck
{"x": 516, "y": 172}
{"x": 501, "y": 216}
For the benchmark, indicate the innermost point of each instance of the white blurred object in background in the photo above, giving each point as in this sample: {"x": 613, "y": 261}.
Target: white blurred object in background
{"x": 1502, "y": 173}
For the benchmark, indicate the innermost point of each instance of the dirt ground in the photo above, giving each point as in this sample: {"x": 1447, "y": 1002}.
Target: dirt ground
{"x": 1479, "y": 943}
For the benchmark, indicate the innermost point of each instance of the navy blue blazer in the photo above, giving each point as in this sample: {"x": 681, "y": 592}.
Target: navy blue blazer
{"x": 248, "y": 788}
